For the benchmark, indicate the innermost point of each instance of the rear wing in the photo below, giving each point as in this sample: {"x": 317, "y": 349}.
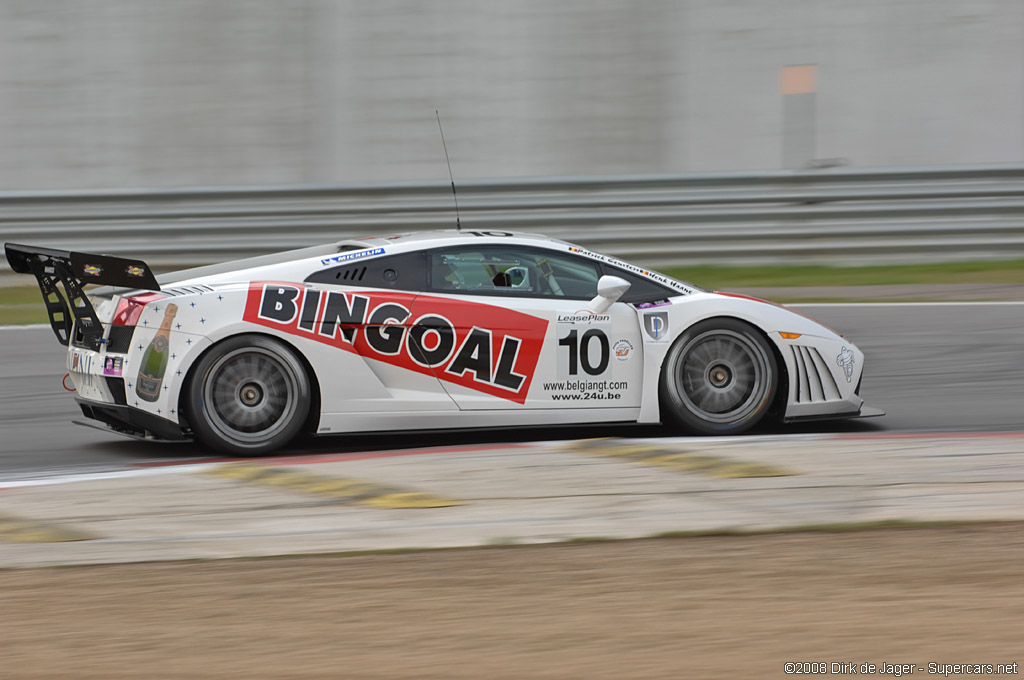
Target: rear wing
{"x": 73, "y": 271}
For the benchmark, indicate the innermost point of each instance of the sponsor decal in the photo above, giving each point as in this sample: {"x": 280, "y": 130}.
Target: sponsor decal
{"x": 649, "y": 305}
{"x": 656, "y": 326}
{"x": 92, "y": 269}
{"x": 584, "y": 335}
{"x": 81, "y": 366}
{"x": 584, "y": 316}
{"x": 352, "y": 256}
{"x": 586, "y": 390}
{"x": 154, "y": 360}
{"x": 81, "y": 363}
{"x": 486, "y": 348}
{"x": 654, "y": 276}
{"x": 622, "y": 349}
{"x": 845, "y": 361}
{"x": 113, "y": 366}
{"x": 137, "y": 272}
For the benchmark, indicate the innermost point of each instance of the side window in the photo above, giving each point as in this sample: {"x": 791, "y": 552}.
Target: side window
{"x": 397, "y": 272}
{"x": 640, "y": 289}
{"x": 513, "y": 271}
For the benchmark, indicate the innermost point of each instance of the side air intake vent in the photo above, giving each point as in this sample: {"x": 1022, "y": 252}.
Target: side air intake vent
{"x": 351, "y": 274}
{"x": 813, "y": 382}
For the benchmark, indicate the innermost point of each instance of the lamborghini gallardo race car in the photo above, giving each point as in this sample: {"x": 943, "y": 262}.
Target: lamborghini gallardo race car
{"x": 448, "y": 329}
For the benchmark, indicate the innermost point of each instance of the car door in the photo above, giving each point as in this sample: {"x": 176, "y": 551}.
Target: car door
{"x": 523, "y": 337}
{"x": 370, "y": 309}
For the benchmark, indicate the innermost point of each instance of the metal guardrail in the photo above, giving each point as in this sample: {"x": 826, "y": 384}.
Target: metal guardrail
{"x": 837, "y": 216}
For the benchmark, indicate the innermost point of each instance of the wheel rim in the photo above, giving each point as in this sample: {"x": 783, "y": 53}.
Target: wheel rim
{"x": 722, "y": 376}
{"x": 250, "y": 395}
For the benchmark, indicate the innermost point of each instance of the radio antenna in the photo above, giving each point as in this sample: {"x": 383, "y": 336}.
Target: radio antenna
{"x": 458, "y": 222}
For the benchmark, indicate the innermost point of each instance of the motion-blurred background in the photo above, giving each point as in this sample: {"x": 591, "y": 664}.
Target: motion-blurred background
{"x": 684, "y": 135}
{"x": 800, "y": 150}
{"x": 149, "y": 93}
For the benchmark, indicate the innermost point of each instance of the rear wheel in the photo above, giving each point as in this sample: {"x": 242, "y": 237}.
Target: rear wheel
{"x": 719, "y": 377}
{"x": 248, "y": 396}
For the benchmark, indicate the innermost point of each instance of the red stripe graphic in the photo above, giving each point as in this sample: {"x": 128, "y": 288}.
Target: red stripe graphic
{"x": 489, "y": 349}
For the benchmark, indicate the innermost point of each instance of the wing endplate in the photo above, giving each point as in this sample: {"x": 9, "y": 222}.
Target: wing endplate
{"x": 73, "y": 271}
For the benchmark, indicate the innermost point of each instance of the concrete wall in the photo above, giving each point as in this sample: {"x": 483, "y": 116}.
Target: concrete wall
{"x": 117, "y": 93}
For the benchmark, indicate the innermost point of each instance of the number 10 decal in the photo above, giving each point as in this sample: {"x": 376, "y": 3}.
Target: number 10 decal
{"x": 580, "y": 348}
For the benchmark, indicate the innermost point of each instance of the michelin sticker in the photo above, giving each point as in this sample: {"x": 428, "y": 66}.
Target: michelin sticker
{"x": 845, "y": 361}
{"x": 352, "y": 256}
{"x": 656, "y": 327}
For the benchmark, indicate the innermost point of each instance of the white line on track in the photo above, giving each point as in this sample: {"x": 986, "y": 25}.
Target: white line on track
{"x": 195, "y": 467}
{"x": 95, "y": 476}
{"x": 178, "y": 468}
{"x": 700, "y": 439}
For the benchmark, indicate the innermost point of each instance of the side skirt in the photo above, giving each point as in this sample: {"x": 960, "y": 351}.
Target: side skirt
{"x": 865, "y": 412}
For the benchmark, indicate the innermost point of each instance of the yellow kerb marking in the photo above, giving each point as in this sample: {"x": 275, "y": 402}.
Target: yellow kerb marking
{"x": 283, "y": 478}
{"x": 408, "y": 499}
{"x": 355, "y": 491}
{"x": 752, "y": 470}
{"x": 328, "y": 486}
{"x": 21, "y": 530}
{"x": 684, "y": 461}
{"x": 236, "y": 471}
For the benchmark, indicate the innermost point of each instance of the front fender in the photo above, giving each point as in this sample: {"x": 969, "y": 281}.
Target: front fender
{"x": 822, "y": 368}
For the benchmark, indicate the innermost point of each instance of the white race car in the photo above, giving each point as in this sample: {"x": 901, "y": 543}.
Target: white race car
{"x": 424, "y": 331}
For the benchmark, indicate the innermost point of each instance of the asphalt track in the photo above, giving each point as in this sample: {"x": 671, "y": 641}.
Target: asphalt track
{"x": 934, "y": 367}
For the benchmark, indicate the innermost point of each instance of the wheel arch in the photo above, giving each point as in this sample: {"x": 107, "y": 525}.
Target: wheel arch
{"x": 777, "y": 408}
{"x": 313, "y": 417}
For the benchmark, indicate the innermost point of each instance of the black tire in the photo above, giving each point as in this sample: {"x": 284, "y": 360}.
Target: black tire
{"x": 719, "y": 377}
{"x": 248, "y": 396}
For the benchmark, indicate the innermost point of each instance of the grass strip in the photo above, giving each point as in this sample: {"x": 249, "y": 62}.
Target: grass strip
{"x": 22, "y": 304}
{"x": 989, "y": 272}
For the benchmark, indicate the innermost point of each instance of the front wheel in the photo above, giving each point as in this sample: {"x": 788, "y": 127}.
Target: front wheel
{"x": 719, "y": 377}
{"x": 248, "y": 396}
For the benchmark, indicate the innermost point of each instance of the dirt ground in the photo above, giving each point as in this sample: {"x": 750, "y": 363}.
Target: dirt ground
{"x": 714, "y": 607}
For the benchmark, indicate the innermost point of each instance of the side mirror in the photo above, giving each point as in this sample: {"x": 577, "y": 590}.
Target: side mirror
{"x": 609, "y": 290}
